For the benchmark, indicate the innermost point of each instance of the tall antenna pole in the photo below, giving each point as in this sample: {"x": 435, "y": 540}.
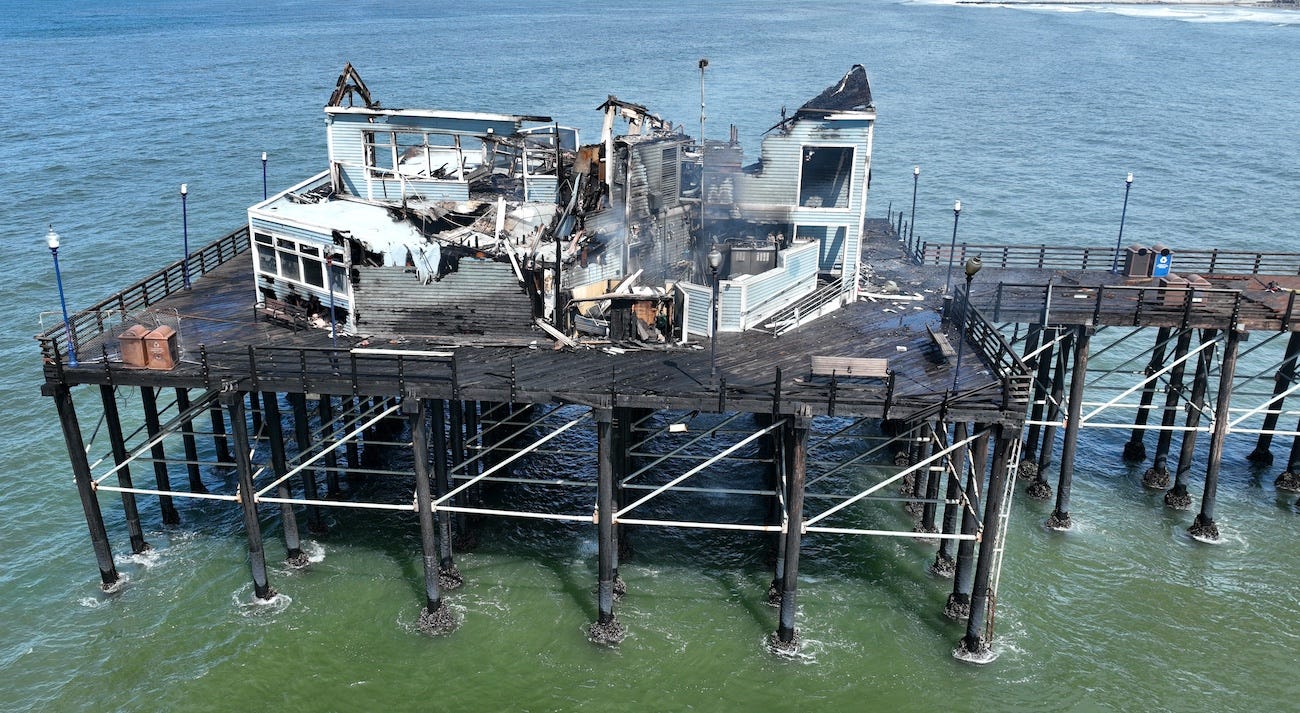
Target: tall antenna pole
{"x": 703, "y": 63}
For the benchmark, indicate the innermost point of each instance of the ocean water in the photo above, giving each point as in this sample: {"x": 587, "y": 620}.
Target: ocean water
{"x": 1031, "y": 116}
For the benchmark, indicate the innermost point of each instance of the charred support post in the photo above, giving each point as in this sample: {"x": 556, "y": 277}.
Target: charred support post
{"x": 350, "y": 450}
{"x": 974, "y": 647}
{"x": 325, "y": 410}
{"x": 302, "y": 434}
{"x": 1060, "y": 517}
{"x": 255, "y": 412}
{"x": 958, "y": 606}
{"x": 85, "y": 485}
{"x": 1157, "y": 476}
{"x": 150, "y": 403}
{"x": 1289, "y": 480}
{"x": 786, "y": 638}
{"x": 449, "y": 576}
{"x": 1203, "y": 527}
{"x": 606, "y": 630}
{"x": 623, "y": 441}
{"x": 1135, "y": 451}
{"x": 191, "y": 448}
{"x": 1177, "y": 498}
{"x": 936, "y": 471}
{"x": 234, "y": 403}
{"x": 1039, "y": 489}
{"x": 1286, "y": 374}
{"x": 944, "y": 564}
{"x": 220, "y": 443}
{"x": 776, "y": 474}
{"x": 288, "y": 519}
{"x": 1042, "y": 365}
{"x": 113, "y": 422}
{"x": 435, "y": 618}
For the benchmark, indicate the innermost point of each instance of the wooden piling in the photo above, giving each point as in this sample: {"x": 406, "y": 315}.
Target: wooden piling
{"x": 1039, "y": 488}
{"x": 234, "y": 403}
{"x": 795, "y": 431}
{"x": 325, "y": 412}
{"x": 1204, "y": 527}
{"x": 934, "y": 475}
{"x": 963, "y": 579}
{"x": 1042, "y": 366}
{"x": 302, "y": 434}
{"x": 449, "y": 575}
{"x": 606, "y": 629}
{"x": 975, "y": 645}
{"x": 1286, "y": 374}
{"x": 113, "y": 424}
{"x": 220, "y": 443}
{"x": 1135, "y": 450}
{"x": 1177, "y": 496}
{"x": 149, "y": 401}
{"x": 944, "y": 563}
{"x": 108, "y": 576}
{"x": 288, "y": 519}
{"x": 187, "y": 440}
{"x": 434, "y": 618}
{"x": 1060, "y": 517}
{"x": 1157, "y": 476}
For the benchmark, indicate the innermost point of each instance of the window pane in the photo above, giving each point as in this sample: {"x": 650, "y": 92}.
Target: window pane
{"x": 308, "y": 250}
{"x": 286, "y": 244}
{"x": 824, "y": 181}
{"x": 262, "y": 238}
{"x": 266, "y": 260}
{"x": 312, "y": 272}
{"x": 338, "y": 279}
{"x": 289, "y": 266}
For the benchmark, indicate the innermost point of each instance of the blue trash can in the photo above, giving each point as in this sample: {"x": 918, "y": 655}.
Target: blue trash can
{"x": 1164, "y": 261}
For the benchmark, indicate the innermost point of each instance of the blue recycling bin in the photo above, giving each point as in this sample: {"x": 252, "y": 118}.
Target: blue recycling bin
{"x": 1164, "y": 261}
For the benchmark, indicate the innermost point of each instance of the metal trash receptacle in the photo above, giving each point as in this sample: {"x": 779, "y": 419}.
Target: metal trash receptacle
{"x": 1163, "y": 261}
{"x": 162, "y": 348}
{"x": 131, "y": 344}
{"x": 1138, "y": 260}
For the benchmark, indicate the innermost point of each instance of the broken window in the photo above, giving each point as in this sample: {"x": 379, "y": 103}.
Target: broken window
{"x": 379, "y": 152}
{"x": 825, "y": 176}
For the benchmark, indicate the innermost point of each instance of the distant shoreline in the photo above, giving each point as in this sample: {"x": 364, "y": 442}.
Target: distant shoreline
{"x": 1272, "y": 4}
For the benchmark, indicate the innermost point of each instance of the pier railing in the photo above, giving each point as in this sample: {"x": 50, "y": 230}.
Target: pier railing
{"x": 996, "y": 351}
{"x": 90, "y": 323}
{"x": 1052, "y": 257}
{"x": 308, "y": 369}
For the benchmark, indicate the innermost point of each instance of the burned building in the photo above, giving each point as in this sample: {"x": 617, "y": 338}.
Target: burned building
{"x": 452, "y": 224}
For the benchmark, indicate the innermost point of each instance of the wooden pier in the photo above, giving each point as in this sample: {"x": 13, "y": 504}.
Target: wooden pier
{"x": 474, "y": 405}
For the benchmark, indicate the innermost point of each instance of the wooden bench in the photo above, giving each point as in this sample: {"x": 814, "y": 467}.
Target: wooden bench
{"x": 285, "y": 313}
{"x": 941, "y": 341}
{"x": 850, "y": 367}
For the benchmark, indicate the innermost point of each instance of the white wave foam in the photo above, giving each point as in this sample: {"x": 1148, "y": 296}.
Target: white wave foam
{"x": 250, "y": 606}
{"x": 1206, "y": 11}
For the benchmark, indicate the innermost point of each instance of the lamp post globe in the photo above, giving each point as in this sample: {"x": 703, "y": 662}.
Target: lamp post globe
{"x": 52, "y": 241}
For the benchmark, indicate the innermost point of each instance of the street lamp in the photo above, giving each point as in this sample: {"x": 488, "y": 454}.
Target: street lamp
{"x": 263, "y": 175}
{"x": 185, "y": 228}
{"x": 52, "y": 239}
{"x": 715, "y": 261}
{"x": 952, "y": 251}
{"x": 911, "y": 227}
{"x": 1128, "y": 183}
{"x": 973, "y": 266}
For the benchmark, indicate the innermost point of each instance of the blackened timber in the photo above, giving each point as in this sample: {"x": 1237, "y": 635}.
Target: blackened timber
{"x": 944, "y": 563}
{"x": 234, "y": 403}
{"x": 975, "y": 645}
{"x": 187, "y": 440}
{"x": 958, "y": 606}
{"x": 1286, "y": 374}
{"x": 1157, "y": 476}
{"x": 795, "y": 432}
{"x": 85, "y": 485}
{"x": 149, "y": 401}
{"x": 606, "y": 629}
{"x": 1038, "y": 488}
{"x": 939, "y": 434}
{"x": 325, "y": 412}
{"x": 302, "y": 434}
{"x": 113, "y": 423}
{"x": 1204, "y": 527}
{"x": 288, "y": 519}
{"x": 219, "y": 441}
{"x": 1177, "y": 496}
{"x": 449, "y": 575}
{"x": 1042, "y": 365}
{"x": 1136, "y": 450}
{"x": 1060, "y": 517}
{"x": 434, "y": 618}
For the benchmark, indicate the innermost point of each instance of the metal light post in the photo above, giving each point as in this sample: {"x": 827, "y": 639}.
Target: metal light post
{"x": 263, "y": 175}
{"x": 911, "y": 227}
{"x": 185, "y": 228}
{"x": 703, "y": 64}
{"x": 952, "y": 251}
{"x": 715, "y": 261}
{"x": 1128, "y": 183}
{"x": 973, "y": 266}
{"x": 329, "y": 280}
{"x": 52, "y": 239}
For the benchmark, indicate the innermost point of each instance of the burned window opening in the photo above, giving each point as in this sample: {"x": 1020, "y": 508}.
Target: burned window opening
{"x": 825, "y": 176}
